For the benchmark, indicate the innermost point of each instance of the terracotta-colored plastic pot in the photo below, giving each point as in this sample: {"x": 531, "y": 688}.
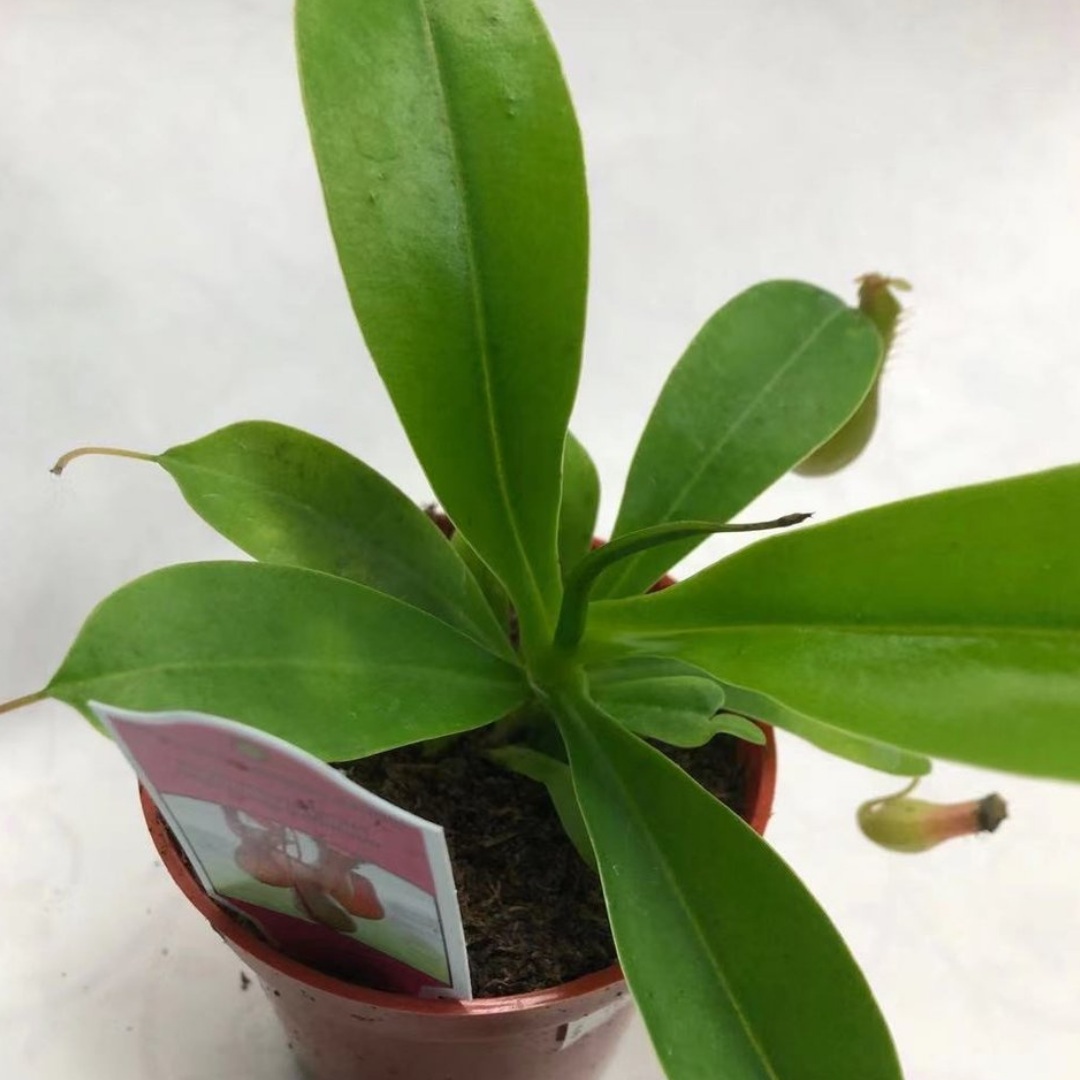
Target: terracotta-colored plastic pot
{"x": 340, "y": 1031}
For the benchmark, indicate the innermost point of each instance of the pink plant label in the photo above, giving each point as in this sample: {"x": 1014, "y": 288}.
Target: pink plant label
{"x": 328, "y": 873}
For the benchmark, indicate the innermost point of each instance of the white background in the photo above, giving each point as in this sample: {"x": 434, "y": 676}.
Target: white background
{"x": 165, "y": 268}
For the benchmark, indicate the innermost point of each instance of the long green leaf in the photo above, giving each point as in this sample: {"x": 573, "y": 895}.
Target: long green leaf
{"x": 287, "y": 497}
{"x": 948, "y": 625}
{"x": 451, "y": 163}
{"x": 771, "y": 376}
{"x": 737, "y": 971}
{"x": 833, "y": 740}
{"x": 334, "y": 667}
{"x": 580, "y": 503}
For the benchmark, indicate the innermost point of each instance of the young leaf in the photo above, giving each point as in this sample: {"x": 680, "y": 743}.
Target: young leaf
{"x": 555, "y": 776}
{"x": 451, "y": 163}
{"x": 735, "y": 968}
{"x": 769, "y": 378}
{"x": 659, "y": 698}
{"x": 948, "y": 625}
{"x": 874, "y": 755}
{"x": 288, "y": 497}
{"x": 580, "y": 503}
{"x": 336, "y": 668}
{"x": 729, "y": 723}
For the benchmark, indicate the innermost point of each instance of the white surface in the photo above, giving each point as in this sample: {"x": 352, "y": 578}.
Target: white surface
{"x": 166, "y": 269}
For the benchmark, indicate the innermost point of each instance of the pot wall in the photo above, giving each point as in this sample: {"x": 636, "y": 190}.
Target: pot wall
{"x": 339, "y": 1031}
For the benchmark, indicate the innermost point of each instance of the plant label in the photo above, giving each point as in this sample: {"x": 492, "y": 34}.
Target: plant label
{"x": 329, "y": 873}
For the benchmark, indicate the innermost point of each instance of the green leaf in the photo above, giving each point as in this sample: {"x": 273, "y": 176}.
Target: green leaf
{"x": 735, "y": 968}
{"x": 487, "y": 582}
{"x": 451, "y": 163}
{"x": 555, "y": 776}
{"x": 771, "y": 376}
{"x": 335, "y": 668}
{"x": 580, "y": 503}
{"x": 287, "y": 497}
{"x": 728, "y": 723}
{"x": 947, "y": 625}
{"x": 659, "y": 698}
{"x": 833, "y": 740}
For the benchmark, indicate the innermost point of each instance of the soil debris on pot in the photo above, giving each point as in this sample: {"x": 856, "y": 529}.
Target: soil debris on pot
{"x": 533, "y": 910}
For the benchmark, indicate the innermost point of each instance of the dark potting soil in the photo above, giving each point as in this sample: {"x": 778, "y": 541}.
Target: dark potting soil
{"x": 533, "y": 910}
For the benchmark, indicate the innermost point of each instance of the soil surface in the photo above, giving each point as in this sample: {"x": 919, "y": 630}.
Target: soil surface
{"x": 533, "y": 909}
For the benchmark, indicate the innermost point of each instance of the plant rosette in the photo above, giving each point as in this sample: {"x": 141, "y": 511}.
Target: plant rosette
{"x": 944, "y": 625}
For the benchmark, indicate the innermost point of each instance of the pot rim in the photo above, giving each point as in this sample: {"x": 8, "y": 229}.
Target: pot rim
{"x": 758, "y": 761}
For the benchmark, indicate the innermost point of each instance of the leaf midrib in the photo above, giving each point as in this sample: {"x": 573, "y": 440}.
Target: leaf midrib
{"x": 448, "y": 673}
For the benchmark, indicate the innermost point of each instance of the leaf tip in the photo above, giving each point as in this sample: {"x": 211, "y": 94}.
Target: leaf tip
{"x": 101, "y": 451}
